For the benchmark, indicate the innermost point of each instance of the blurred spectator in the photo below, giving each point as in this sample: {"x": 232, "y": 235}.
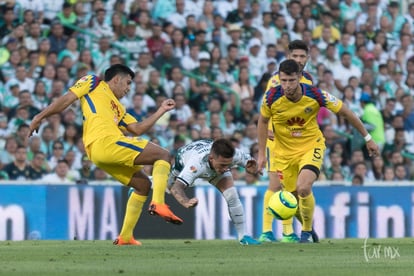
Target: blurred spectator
{"x": 242, "y": 87}
{"x": 154, "y": 86}
{"x": 57, "y": 37}
{"x": 327, "y": 21}
{"x": 86, "y": 171}
{"x": 400, "y": 172}
{"x": 182, "y": 110}
{"x": 191, "y": 61}
{"x": 378, "y": 167}
{"x": 176, "y": 78}
{"x": 166, "y": 58}
{"x": 57, "y": 154}
{"x": 155, "y": 42}
{"x": 37, "y": 167}
{"x": 144, "y": 67}
{"x": 59, "y": 174}
{"x": 336, "y": 166}
{"x": 98, "y": 25}
{"x": 19, "y": 168}
{"x": 136, "y": 110}
{"x": 372, "y": 116}
{"x": 131, "y": 41}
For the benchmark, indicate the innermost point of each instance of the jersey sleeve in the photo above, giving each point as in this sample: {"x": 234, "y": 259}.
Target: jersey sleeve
{"x": 332, "y": 103}
{"x": 85, "y": 85}
{"x": 189, "y": 174}
{"x": 240, "y": 158}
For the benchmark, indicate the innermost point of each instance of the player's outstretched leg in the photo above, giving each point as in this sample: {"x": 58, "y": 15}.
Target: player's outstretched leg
{"x": 158, "y": 206}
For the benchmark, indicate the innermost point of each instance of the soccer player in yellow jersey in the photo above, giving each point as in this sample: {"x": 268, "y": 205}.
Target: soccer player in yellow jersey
{"x": 123, "y": 157}
{"x": 298, "y": 51}
{"x": 299, "y": 145}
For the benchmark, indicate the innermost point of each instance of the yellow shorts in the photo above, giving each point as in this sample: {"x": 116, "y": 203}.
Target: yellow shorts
{"x": 288, "y": 168}
{"x": 116, "y": 155}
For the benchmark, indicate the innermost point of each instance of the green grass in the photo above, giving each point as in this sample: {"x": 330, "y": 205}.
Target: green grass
{"x": 192, "y": 257}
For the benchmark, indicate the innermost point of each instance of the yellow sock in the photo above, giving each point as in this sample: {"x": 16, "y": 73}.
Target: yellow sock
{"x": 159, "y": 179}
{"x": 307, "y": 206}
{"x": 132, "y": 213}
{"x": 297, "y": 215}
{"x": 287, "y": 226}
{"x": 267, "y": 218}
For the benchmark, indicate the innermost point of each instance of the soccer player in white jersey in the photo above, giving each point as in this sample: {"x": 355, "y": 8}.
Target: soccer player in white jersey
{"x": 212, "y": 160}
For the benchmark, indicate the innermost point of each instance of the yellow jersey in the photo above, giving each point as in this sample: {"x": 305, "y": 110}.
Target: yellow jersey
{"x": 294, "y": 123}
{"x": 103, "y": 114}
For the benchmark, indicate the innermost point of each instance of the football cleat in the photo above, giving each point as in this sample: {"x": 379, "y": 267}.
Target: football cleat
{"x": 247, "y": 240}
{"x": 163, "y": 210}
{"x": 291, "y": 238}
{"x": 315, "y": 236}
{"x": 267, "y": 237}
{"x": 132, "y": 241}
{"x": 306, "y": 237}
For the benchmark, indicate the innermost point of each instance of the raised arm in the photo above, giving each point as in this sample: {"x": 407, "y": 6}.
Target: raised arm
{"x": 55, "y": 107}
{"x": 140, "y": 128}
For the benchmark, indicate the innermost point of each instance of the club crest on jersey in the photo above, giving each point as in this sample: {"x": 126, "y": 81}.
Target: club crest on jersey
{"x": 333, "y": 99}
{"x": 308, "y": 110}
{"x": 193, "y": 169}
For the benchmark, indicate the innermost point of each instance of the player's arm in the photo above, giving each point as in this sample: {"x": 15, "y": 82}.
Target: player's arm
{"x": 372, "y": 147}
{"x": 177, "y": 190}
{"x": 139, "y": 128}
{"x": 55, "y": 107}
{"x": 262, "y": 135}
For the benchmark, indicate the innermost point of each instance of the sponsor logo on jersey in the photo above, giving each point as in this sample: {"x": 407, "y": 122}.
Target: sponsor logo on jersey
{"x": 193, "y": 169}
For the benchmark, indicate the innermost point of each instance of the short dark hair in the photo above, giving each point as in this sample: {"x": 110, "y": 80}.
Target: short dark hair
{"x": 223, "y": 147}
{"x": 298, "y": 45}
{"x": 289, "y": 66}
{"x": 118, "y": 69}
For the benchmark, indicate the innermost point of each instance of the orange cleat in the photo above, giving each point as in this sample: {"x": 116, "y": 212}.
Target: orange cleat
{"x": 132, "y": 241}
{"x": 163, "y": 210}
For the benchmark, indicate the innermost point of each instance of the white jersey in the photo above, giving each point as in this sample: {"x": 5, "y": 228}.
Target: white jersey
{"x": 191, "y": 163}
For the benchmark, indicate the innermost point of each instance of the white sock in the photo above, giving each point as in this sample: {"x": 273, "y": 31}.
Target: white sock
{"x": 235, "y": 210}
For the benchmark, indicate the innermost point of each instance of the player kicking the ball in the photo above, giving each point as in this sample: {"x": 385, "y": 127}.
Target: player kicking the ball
{"x": 299, "y": 52}
{"x": 299, "y": 146}
{"x": 212, "y": 161}
{"x": 121, "y": 156}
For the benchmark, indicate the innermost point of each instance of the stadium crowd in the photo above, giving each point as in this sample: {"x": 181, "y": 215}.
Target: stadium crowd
{"x": 214, "y": 59}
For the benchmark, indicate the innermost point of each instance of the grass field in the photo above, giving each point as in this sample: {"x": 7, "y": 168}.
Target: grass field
{"x": 193, "y": 257}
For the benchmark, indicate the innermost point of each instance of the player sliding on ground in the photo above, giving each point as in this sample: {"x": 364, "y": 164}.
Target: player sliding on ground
{"x": 105, "y": 144}
{"x": 212, "y": 161}
{"x": 299, "y": 144}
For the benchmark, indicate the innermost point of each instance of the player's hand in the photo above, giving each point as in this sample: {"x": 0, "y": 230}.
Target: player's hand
{"x": 261, "y": 164}
{"x": 191, "y": 203}
{"x": 373, "y": 149}
{"x": 251, "y": 167}
{"x": 34, "y": 126}
{"x": 168, "y": 105}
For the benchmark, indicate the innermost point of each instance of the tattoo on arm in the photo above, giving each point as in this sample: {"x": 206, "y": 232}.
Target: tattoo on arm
{"x": 177, "y": 191}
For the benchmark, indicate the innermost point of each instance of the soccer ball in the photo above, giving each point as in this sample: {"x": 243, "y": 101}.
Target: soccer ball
{"x": 282, "y": 205}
